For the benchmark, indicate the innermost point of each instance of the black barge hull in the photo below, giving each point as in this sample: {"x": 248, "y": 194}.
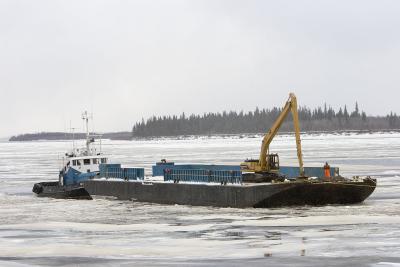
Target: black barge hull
{"x": 54, "y": 190}
{"x": 264, "y": 195}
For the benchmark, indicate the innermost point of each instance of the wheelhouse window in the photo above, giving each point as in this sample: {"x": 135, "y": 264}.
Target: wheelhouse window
{"x": 103, "y": 160}
{"x": 95, "y": 161}
{"x": 74, "y": 163}
{"x": 86, "y": 161}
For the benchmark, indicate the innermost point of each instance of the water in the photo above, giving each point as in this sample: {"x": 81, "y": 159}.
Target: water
{"x": 47, "y": 232}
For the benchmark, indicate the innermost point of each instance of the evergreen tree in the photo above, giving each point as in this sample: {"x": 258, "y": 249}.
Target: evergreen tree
{"x": 363, "y": 116}
{"x": 345, "y": 113}
{"x": 356, "y": 112}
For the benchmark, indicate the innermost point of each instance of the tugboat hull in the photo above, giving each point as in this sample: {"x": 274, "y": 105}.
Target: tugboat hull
{"x": 54, "y": 190}
{"x": 261, "y": 195}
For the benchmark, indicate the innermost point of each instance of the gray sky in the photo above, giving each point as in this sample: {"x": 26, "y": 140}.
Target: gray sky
{"x": 125, "y": 60}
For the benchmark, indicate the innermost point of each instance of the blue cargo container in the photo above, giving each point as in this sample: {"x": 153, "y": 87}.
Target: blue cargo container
{"x": 115, "y": 171}
{"x": 203, "y": 176}
{"x": 158, "y": 169}
{"x": 288, "y": 171}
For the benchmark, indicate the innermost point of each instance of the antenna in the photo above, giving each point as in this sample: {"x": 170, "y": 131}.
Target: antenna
{"x": 91, "y": 117}
{"x": 65, "y": 128}
{"x": 73, "y": 139}
{"x": 71, "y": 131}
{"x": 85, "y": 118}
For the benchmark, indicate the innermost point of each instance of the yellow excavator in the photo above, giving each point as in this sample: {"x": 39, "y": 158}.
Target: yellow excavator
{"x": 266, "y": 168}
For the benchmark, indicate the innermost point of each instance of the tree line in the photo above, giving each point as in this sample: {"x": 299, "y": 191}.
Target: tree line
{"x": 323, "y": 118}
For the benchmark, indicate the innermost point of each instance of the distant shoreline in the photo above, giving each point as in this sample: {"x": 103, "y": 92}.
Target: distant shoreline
{"x": 232, "y": 123}
{"x": 60, "y": 136}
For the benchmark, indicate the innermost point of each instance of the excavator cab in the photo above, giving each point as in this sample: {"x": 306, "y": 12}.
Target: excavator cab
{"x": 252, "y": 173}
{"x": 273, "y": 162}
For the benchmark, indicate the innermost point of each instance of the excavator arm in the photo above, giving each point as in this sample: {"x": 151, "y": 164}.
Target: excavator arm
{"x": 262, "y": 165}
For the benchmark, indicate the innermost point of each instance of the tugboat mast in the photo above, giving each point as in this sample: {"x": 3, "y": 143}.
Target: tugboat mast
{"x": 85, "y": 117}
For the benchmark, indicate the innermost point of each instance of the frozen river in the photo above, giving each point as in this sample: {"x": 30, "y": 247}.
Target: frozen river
{"x": 103, "y": 232}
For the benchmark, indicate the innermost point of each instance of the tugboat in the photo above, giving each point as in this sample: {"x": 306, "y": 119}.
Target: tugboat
{"x": 79, "y": 165}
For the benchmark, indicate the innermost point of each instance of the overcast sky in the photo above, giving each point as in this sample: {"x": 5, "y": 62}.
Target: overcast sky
{"x": 125, "y": 60}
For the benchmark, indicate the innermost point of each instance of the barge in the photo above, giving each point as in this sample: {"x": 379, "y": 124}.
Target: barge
{"x": 262, "y": 195}
{"x": 223, "y": 186}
